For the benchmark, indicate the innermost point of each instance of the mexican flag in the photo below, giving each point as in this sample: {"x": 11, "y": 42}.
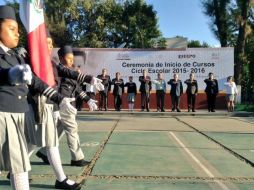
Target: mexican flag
{"x": 32, "y": 17}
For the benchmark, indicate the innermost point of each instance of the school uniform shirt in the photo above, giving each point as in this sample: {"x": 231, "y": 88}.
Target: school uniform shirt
{"x": 192, "y": 86}
{"x": 131, "y": 87}
{"x": 118, "y": 86}
{"x": 230, "y": 88}
{"x": 13, "y": 98}
{"x": 69, "y": 87}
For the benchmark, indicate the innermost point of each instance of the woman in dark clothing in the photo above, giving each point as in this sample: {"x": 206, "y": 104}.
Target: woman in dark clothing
{"x": 132, "y": 92}
{"x": 211, "y": 90}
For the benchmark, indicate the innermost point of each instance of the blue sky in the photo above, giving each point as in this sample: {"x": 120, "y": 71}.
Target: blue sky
{"x": 183, "y": 18}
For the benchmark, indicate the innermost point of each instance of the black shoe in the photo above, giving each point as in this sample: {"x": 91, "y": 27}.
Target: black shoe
{"x": 178, "y": 110}
{"x": 79, "y": 163}
{"x": 8, "y": 176}
{"x": 162, "y": 110}
{"x": 147, "y": 110}
{"x": 43, "y": 157}
{"x": 65, "y": 185}
{"x": 193, "y": 110}
{"x": 173, "y": 110}
{"x": 213, "y": 111}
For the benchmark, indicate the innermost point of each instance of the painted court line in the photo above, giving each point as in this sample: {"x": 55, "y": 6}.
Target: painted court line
{"x": 205, "y": 169}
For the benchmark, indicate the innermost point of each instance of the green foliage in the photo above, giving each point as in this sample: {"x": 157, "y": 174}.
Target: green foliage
{"x": 244, "y": 107}
{"x": 232, "y": 23}
{"x": 197, "y": 44}
{"x": 103, "y": 23}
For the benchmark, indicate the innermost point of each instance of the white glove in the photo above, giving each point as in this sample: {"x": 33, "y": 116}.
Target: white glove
{"x": 66, "y": 107}
{"x": 27, "y": 74}
{"x": 97, "y": 84}
{"x": 92, "y": 104}
{"x": 20, "y": 74}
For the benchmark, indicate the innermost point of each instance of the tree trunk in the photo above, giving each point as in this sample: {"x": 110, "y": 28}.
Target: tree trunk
{"x": 244, "y": 6}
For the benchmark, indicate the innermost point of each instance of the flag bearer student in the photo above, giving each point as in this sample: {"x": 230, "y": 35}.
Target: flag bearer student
{"x": 103, "y": 100}
{"x": 176, "y": 91}
{"x": 132, "y": 92}
{"x": 160, "y": 85}
{"x": 118, "y": 91}
{"x": 68, "y": 122}
{"x": 191, "y": 91}
{"x": 16, "y": 79}
{"x": 145, "y": 90}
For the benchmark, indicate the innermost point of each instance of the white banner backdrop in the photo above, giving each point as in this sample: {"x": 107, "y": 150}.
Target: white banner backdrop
{"x": 200, "y": 61}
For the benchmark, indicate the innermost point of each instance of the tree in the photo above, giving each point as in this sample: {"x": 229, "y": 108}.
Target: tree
{"x": 231, "y": 25}
{"x": 219, "y": 12}
{"x": 140, "y": 24}
{"x": 55, "y": 12}
{"x": 197, "y": 44}
{"x": 245, "y": 11}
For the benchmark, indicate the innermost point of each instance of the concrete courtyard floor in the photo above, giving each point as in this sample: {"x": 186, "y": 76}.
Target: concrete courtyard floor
{"x": 140, "y": 150}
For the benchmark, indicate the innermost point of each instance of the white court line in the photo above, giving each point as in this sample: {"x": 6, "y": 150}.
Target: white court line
{"x": 209, "y": 173}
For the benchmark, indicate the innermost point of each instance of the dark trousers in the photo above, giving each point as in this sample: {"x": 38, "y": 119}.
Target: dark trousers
{"x": 118, "y": 102}
{"x": 91, "y": 95}
{"x": 191, "y": 100}
{"x": 211, "y": 101}
{"x": 160, "y": 97}
{"x": 103, "y": 100}
{"x": 145, "y": 100}
{"x": 79, "y": 104}
{"x": 175, "y": 102}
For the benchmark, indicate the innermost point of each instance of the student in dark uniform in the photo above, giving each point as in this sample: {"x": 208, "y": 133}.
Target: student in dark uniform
{"x": 131, "y": 93}
{"x": 212, "y": 90}
{"x": 145, "y": 90}
{"x": 69, "y": 87}
{"x": 16, "y": 80}
{"x": 79, "y": 101}
{"x": 103, "y": 100}
{"x": 176, "y": 92}
{"x": 118, "y": 91}
{"x": 191, "y": 91}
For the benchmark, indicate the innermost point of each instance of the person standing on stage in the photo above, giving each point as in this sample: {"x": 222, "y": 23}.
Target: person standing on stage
{"x": 160, "y": 85}
{"x": 191, "y": 91}
{"x": 131, "y": 93}
{"x": 103, "y": 100}
{"x": 212, "y": 90}
{"x": 176, "y": 92}
{"x": 231, "y": 93}
{"x": 118, "y": 91}
{"x": 145, "y": 90}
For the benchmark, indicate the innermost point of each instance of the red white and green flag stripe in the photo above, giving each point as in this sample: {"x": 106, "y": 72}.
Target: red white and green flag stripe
{"x": 32, "y": 17}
